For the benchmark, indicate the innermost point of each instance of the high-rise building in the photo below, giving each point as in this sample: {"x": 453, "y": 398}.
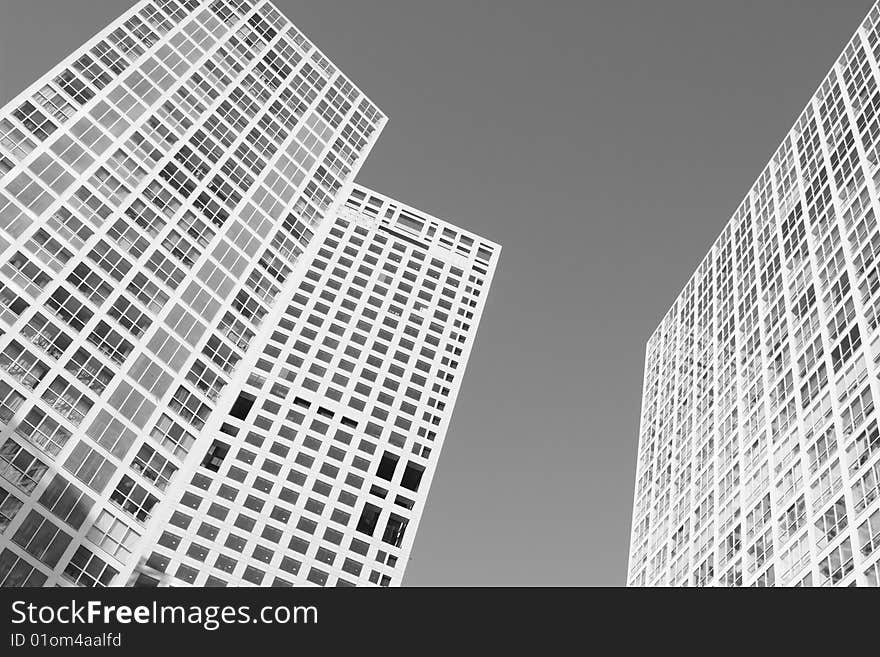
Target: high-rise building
{"x": 221, "y": 363}
{"x": 317, "y": 464}
{"x": 759, "y": 449}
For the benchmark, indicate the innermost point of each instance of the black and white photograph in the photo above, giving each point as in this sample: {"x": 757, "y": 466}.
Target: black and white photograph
{"x": 493, "y": 302}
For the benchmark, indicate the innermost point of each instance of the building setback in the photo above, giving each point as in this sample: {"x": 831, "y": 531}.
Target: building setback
{"x": 221, "y": 362}
{"x": 758, "y": 448}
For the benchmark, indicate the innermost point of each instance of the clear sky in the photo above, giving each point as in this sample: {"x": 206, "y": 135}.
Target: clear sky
{"x": 604, "y": 144}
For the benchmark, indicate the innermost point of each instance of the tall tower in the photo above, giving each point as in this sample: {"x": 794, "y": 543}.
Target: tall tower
{"x": 168, "y": 196}
{"x": 317, "y": 464}
{"x": 759, "y": 452}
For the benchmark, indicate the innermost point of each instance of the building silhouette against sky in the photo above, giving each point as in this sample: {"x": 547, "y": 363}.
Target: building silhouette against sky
{"x": 758, "y": 450}
{"x": 221, "y": 362}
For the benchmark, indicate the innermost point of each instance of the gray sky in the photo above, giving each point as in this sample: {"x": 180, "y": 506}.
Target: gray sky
{"x": 604, "y": 145}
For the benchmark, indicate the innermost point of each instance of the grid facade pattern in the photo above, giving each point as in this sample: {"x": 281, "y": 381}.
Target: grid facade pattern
{"x": 759, "y": 450}
{"x": 158, "y": 190}
{"x": 320, "y": 461}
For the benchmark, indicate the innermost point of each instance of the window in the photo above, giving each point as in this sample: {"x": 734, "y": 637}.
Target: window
{"x": 134, "y": 499}
{"x": 11, "y": 305}
{"x": 181, "y": 248}
{"x": 412, "y": 476}
{"x": 69, "y": 401}
{"x": 49, "y": 250}
{"x": 89, "y": 370}
{"x": 822, "y": 449}
{"x": 215, "y": 455}
{"x": 221, "y": 354}
{"x": 165, "y": 270}
{"x": 113, "y": 536}
{"x": 831, "y": 523}
{"x": 27, "y": 274}
{"x": 758, "y": 517}
{"x": 126, "y": 168}
{"x": 89, "y": 467}
{"x": 153, "y": 466}
{"x": 148, "y": 293}
{"x": 837, "y": 565}
{"x": 72, "y": 154}
{"x": 172, "y": 436}
{"x": 387, "y": 466}
{"x": 40, "y": 538}
{"x": 145, "y": 217}
{"x": 869, "y": 534}
{"x": 69, "y": 309}
{"x": 866, "y": 444}
{"x": 69, "y": 226}
{"x": 10, "y": 400}
{"x": 20, "y": 467}
{"x": 17, "y": 572}
{"x": 369, "y": 518}
{"x": 867, "y": 488}
{"x": 90, "y": 283}
{"x": 52, "y": 173}
{"x": 129, "y": 316}
{"x": 66, "y": 501}
{"x": 242, "y": 405}
{"x": 43, "y": 431}
{"x": 205, "y": 379}
{"x": 187, "y": 405}
{"x": 86, "y": 569}
{"x": 859, "y": 409}
{"x": 110, "y": 432}
{"x": 793, "y": 519}
{"x": 395, "y": 529}
{"x": 108, "y": 259}
{"x": 131, "y": 404}
{"x": 34, "y": 120}
{"x": 45, "y": 335}
{"x": 14, "y": 140}
{"x": 110, "y": 57}
{"x": 9, "y": 507}
{"x": 827, "y": 484}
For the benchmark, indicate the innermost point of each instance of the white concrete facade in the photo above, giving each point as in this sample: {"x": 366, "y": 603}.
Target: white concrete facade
{"x": 759, "y": 452}
{"x": 166, "y": 192}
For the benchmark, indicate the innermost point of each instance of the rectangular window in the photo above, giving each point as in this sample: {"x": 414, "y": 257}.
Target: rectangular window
{"x": 87, "y": 569}
{"x": 68, "y": 309}
{"x": 40, "y": 538}
{"x": 17, "y": 572}
{"x": 837, "y": 565}
{"x": 66, "y": 501}
{"x": 43, "y": 431}
{"x": 90, "y": 283}
{"x": 19, "y": 467}
{"x": 9, "y": 507}
{"x": 28, "y": 275}
{"x": 153, "y": 467}
{"x": 110, "y": 432}
{"x": 70, "y": 227}
{"x": 89, "y": 467}
{"x": 68, "y": 400}
{"x": 395, "y": 529}
{"x": 113, "y": 536}
{"x": 869, "y": 534}
{"x": 131, "y": 404}
{"x": 90, "y": 371}
{"x": 148, "y": 293}
{"x": 134, "y": 499}
{"x": 10, "y": 400}
{"x": 188, "y": 406}
{"x": 172, "y": 436}
{"x": 110, "y": 342}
